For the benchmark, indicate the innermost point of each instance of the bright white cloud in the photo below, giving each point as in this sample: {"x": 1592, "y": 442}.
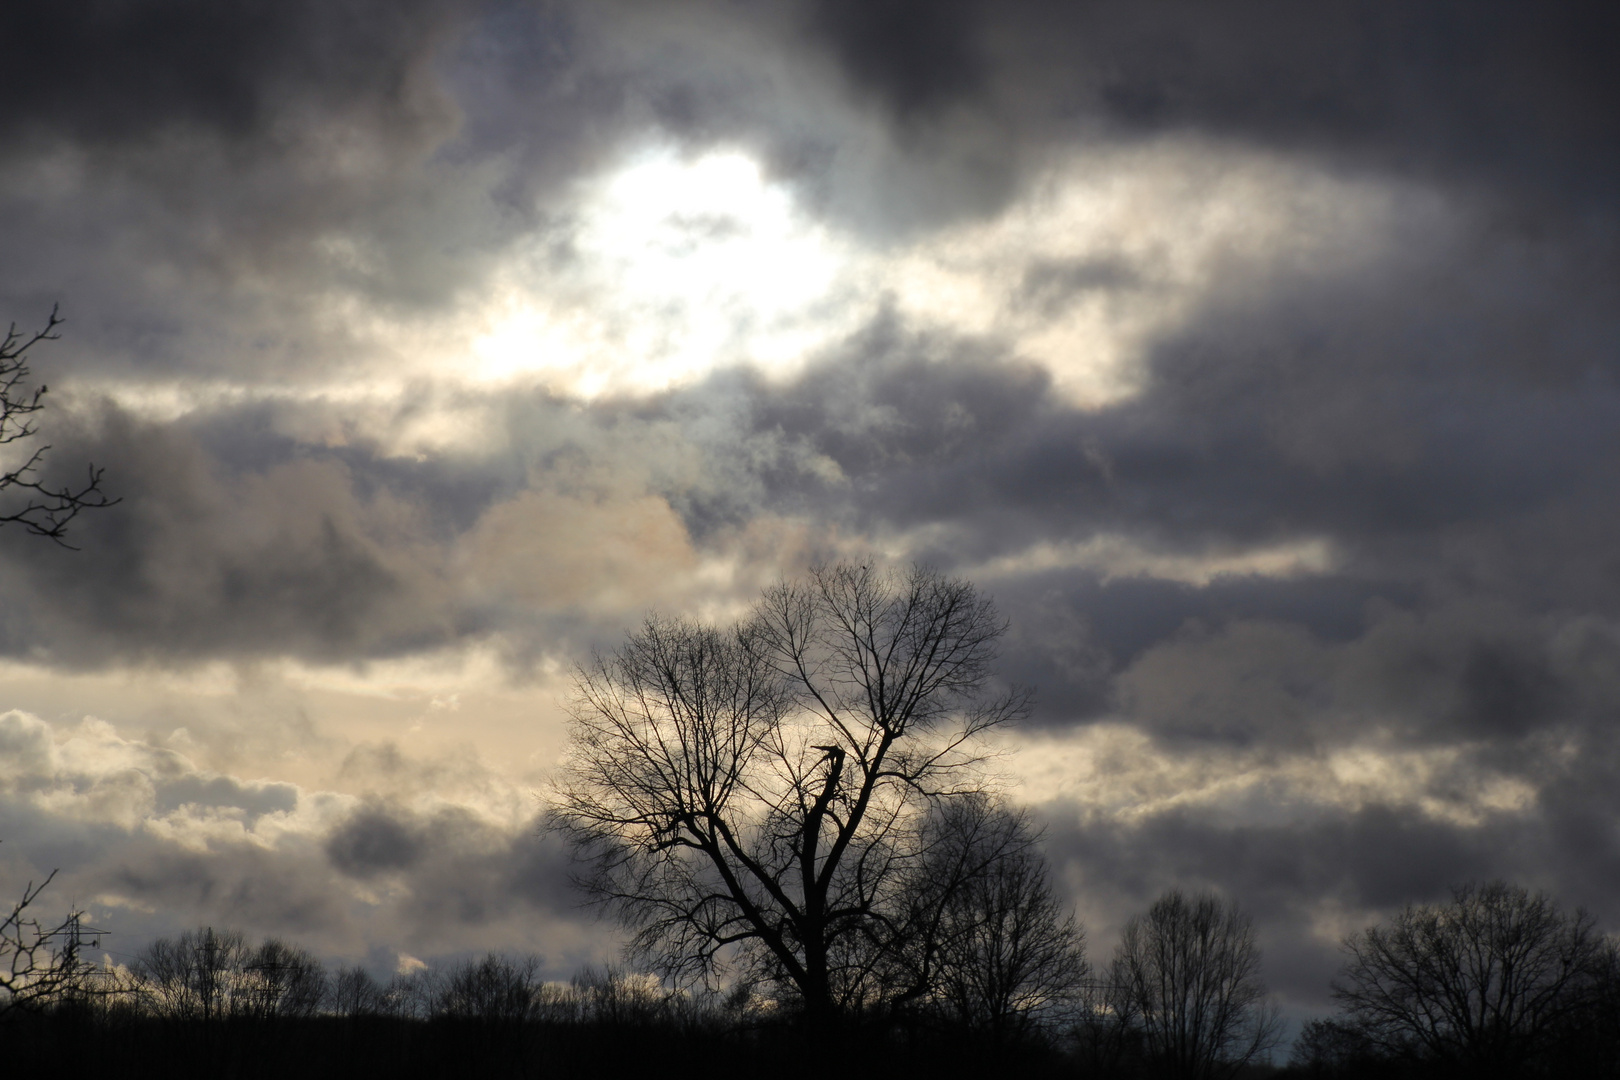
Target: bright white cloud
{"x": 1112, "y": 556}
{"x": 1115, "y": 771}
{"x": 680, "y": 264}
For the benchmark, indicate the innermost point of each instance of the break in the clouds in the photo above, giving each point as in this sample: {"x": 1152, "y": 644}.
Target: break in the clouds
{"x": 1259, "y": 361}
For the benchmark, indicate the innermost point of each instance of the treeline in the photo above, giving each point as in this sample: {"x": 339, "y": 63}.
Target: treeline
{"x": 1498, "y": 983}
{"x": 209, "y": 1003}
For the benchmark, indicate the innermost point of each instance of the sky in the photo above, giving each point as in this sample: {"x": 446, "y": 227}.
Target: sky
{"x": 1258, "y": 359}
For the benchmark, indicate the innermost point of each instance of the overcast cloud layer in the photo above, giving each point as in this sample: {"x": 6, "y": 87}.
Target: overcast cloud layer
{"x": 1259, "y": 359}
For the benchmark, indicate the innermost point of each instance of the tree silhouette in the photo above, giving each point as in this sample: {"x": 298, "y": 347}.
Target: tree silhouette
{"x": 1485, "y": 985}
{"x": 196, "y": 976}
{"x": 1186, "y": 982}
{"x": 282, "y": 980}
{"x": 758, "y": 793}
{"x": 985, "y": 946}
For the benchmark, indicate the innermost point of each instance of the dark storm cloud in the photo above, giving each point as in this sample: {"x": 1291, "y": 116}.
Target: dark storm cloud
{"x": 119, "y": 71}
{"x": 1463, "y": 386}
{"x": 373, "y": 841}
{"x": 231, "y": 168}
{"x": 242, "y": 536}
{"x": 1074, "y": 632}
{"x": 1499, "y": 92}
{"x": 1371, "y": 858}
{"x": 255, "y": 800}
{"x": 1434, "y": 426}
{"x": 244, "y": 885}
{"x": 1052, "y": 286}
{"x": 197, "y": 561}
{"x": 458, "y": 867}
{"x": 916, "y": 57}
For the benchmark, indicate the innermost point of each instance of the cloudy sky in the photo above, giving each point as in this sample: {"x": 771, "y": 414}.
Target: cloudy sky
{"x": 1258, "y": 358}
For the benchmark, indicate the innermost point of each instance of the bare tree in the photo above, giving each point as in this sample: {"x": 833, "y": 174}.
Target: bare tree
{"x": 616, "y": 998}
{"x": 197, "y": 976}
{"x": 1327, "y": 1047}
{"x": 1486, "y": 984}
{"x": 354, "y": 993}
{"x": 758, "y": 792}
{"x": 984, "y": 942}
{"x": 45, "y": 510}
{"x": 494, "y": 990}
{"x": 1186, "y": 978}
{"x": 39, "y": 963}
{"x": 282, "y": 980}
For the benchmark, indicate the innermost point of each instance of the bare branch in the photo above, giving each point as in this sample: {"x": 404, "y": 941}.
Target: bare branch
{"x": 41, "y": 964}
{"x": 45, "y": 510}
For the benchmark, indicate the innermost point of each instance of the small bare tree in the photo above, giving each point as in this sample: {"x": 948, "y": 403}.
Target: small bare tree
{"x": 45, "y": 510}
{"x": 281, "y": 980}
{"x": 983, "y": 943}
{"x": 354, "y": 993}
{"x": 759, "y": 792}
{"x": 1485, "y": 984}
{"x": 1186, "y": 981}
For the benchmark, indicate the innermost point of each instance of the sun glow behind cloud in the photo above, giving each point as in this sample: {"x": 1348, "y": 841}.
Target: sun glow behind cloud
{"x": 675, "y": 264}
{"x": 680, "y": 264}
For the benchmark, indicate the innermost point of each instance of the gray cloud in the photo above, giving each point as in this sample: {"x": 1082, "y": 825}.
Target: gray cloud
{"x": 198, "y": 561}
{"x": 1495, "y": 93}
{"x": 122, "y": 72}
{"x": 373, "y": 841}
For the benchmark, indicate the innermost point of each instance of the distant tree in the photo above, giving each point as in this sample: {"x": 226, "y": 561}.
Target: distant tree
{"x": 411, "y": 995}
{"x": 282, "y": 980}
{"x": 197, "y": 976}
{"x": 760, "y": 791}
{"x": 1590, "y": 1046}
{"x": 44, "y": 509}
{"x": 495, "y": 989}
{"x": 209, "y": 975}
{"x": 1186, "y": 982}
{"x": 42, "y": 963}
{"x": 1328, "y": 1049}
{"x": 986, "y": 945}
{"x": 354, "y": 993}
{"x": 1105, "y": 1043}
{"x": 1488, "y": 985}
{"x": 616, "y": 998}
